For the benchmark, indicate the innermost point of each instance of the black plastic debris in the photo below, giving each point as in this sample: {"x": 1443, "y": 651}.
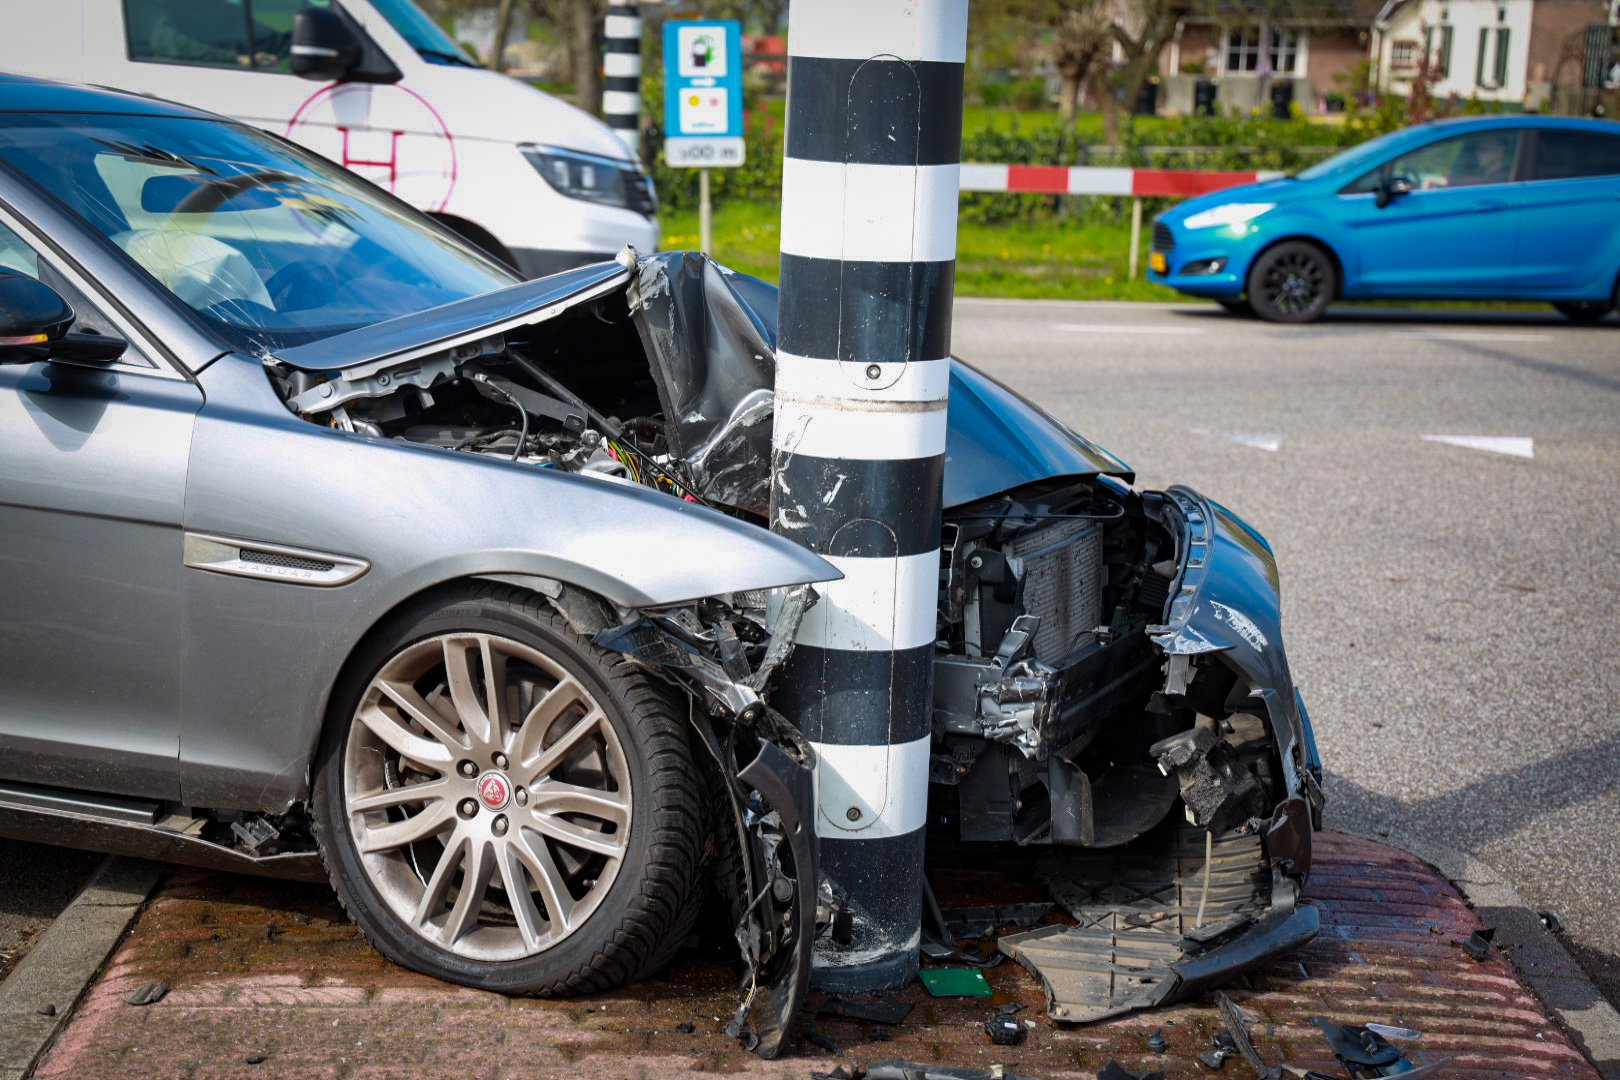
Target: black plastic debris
{"x": 1010, "y": 1008}
{"x": 686, "y": 1029}
{"x": 875, "y": 1012}
{"x": 1005, "y": 1030}
{"x": 1115, "y": 1071}
{"x": 1479, "y": 945}
{"x": 1551, "y": 921}
{"x": 1357, "y": 1048}
{"x": 840, "y": 1073}
{"x": 817, "y": 1039}
{"x": 916, "y": 1070}
{"x": 46, "y": 1009}
{"x": 981, "y": 922}
{"x": 1156, "y": 1043}
{"x": 149, "y": 993}
{"x": 257, "y": 1059}
{"x": 1237, "y": 1033}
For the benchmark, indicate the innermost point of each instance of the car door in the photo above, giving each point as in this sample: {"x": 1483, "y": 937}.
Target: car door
{"x": 1571, "y": 216}
{"x": 92, "y": 483}
{"x": 1453, "y": 234}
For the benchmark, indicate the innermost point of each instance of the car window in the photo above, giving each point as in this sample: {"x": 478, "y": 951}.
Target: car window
{"x": 1483, "y": 157}
{"x": 1572, "y": 155}
{"x": 18, "y": 256}
{"x": 269, "y": 244}
{"x": 212, "y": 33}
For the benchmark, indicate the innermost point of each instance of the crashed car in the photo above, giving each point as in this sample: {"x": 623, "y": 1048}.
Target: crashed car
{"x": 334, "y": 551}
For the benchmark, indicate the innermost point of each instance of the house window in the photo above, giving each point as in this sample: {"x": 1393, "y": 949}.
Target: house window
{"x": 1281, "y": 50}
{"x": 1495, "y": 44}
{"x": 1437, "y": 44}
{"x": 1403, "y": 55}
{"x": 1243, "y": 49}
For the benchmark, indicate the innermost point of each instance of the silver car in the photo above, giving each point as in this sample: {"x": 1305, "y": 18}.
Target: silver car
{"x": 331, "y": 549}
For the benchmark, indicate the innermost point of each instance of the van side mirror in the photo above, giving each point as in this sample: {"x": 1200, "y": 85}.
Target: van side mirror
{"x": 33, "y": 316}
{"x": 34, "y": 321}
{"x": 1394, "y": 188}
{"x": 324, "y": 48}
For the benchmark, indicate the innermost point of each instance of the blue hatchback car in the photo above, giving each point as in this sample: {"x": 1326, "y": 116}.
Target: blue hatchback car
{"x": 1486, "y": 208}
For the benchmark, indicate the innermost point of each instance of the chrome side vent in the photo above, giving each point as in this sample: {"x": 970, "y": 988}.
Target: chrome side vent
{"x": 270, "y": 562}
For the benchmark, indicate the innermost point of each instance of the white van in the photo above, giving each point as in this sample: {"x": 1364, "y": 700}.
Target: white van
{"x": 374, "y": 85}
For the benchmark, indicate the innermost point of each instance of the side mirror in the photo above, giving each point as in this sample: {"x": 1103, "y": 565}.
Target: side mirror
{"x": 1394, "y": 188}
{"x": 34, "y": 321}
{"x": 324, "y": 48}
{"x": 33, "y": 317}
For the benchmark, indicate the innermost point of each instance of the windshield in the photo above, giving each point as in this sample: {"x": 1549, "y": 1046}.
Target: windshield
{"x": 1355, "y": 158}
{"x": 272, "y": 246}
{"x": 422, "y": 33}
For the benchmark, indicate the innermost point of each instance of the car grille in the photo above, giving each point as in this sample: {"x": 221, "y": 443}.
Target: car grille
{"x": 1163, "y": 238}
{"x": 639, "y": 193}
{"x": 1062, "y": 585}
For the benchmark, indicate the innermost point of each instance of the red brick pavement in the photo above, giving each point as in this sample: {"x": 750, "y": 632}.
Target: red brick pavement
{"x": 269, "y": 980}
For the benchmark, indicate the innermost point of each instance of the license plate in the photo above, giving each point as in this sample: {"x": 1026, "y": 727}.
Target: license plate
{"x": 1159, "y": 263}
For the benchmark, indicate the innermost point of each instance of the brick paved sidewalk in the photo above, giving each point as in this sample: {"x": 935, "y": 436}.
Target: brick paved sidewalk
{"x": 269, "y": 980}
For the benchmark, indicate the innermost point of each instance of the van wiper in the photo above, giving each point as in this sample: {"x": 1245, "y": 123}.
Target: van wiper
{"x": 440, "y": 56}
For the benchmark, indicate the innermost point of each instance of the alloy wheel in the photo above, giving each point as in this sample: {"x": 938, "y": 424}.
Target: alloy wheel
{"x": 1295, "y": 283}
{"x": 487, "y": 794}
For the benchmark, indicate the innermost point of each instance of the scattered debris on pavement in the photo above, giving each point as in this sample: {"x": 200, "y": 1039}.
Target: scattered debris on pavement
{"x": 1551, "y": 921}
{"x": 149, "y": 993}
{"x": 955, "y": 982}
{"x": 1479, "y": 945}
{"x": 1004, "y": 1030}
{"x": 876, "y": 1012}
{"x": 1366, "y": 1054}
{"x": 820, "y": 1041}
{"x": 1115, "y": 1071}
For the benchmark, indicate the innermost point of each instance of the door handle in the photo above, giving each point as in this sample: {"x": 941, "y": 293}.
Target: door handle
{"x": 1488, "y": 206}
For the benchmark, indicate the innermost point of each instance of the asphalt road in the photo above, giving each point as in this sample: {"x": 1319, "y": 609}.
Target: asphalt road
{"x": 1448, "y": 609}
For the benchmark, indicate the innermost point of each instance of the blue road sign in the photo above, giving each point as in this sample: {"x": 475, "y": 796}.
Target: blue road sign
{"x": 703, "y": 106}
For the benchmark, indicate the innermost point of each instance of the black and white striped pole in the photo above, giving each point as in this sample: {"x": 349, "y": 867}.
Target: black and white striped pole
{"x": 621, "y": 73}
{"x": 869, "y": 193}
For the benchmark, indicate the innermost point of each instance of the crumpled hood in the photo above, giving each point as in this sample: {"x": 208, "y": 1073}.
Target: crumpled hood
{"x": 712, "y": 335}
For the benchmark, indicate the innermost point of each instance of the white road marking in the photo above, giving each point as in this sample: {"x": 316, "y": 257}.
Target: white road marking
{"x": 1511, "y": 445}
{"x": 1128, "y": 328}
{"x": 1258, "y": 441}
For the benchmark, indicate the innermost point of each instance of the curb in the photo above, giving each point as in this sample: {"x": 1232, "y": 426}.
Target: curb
{"x": 64, "y": 961}
{"x": 1534, "y": 951}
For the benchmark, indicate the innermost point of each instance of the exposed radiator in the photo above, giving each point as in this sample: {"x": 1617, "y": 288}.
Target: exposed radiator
{"x": 1062, "y": 585}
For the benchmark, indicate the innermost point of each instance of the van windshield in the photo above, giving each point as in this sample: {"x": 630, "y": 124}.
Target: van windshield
{"x": 422, "y": 33}
{"x": 270, "y": 245}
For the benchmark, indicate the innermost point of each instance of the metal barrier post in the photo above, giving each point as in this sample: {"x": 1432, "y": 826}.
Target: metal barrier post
{"x": 869, "y": 193}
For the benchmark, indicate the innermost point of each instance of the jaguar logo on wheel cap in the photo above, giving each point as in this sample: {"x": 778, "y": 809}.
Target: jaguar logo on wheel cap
{"x": 494, "y": 790}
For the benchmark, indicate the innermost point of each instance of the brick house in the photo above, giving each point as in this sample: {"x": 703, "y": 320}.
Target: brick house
{"x": 1246, "y": 54}
{"x": 1517, "y": 52}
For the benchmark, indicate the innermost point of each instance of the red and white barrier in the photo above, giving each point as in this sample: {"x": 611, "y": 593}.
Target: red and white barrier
{"x": 1134, "y": 184}
{"x": 1090, "y": 180}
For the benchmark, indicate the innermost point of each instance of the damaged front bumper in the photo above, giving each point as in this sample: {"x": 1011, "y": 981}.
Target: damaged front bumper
{"x": 769, "y": 802}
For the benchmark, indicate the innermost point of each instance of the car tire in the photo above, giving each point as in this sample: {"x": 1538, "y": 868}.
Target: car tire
{"x": 1583, "y": 311}
{"x": 1292, "y": 282}
{"x": 596, "y": 816}
{"x": 1237, "y": 307}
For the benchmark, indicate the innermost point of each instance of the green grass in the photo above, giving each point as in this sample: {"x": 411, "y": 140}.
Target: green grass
{"x": 1046, "y": 261}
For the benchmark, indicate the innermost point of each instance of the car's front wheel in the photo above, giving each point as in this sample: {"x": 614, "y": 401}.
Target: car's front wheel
{"x": 1293, "y": 282}
{"x": 503, "y": 805}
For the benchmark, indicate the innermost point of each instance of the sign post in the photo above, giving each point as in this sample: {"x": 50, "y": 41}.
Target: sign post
{"x": 703, "y": 106}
